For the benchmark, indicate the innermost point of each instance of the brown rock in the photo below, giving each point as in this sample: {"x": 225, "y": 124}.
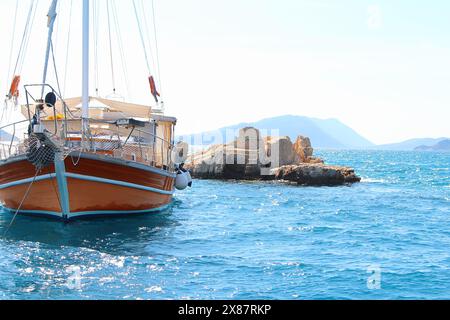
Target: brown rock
{"x": 302, "y": 149}
{"x": 314, "y": 160}
{"x": 247, "y": 156}
{"x": 283, "y": 147}
{"x": 237, "y": 160}
{"x": 316, "y": 175}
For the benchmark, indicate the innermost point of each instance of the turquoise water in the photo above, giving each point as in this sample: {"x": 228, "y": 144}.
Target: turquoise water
{"x": 253, "y": 241}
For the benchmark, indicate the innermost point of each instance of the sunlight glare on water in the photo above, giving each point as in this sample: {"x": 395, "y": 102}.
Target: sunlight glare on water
{"x": 230, "y": 240}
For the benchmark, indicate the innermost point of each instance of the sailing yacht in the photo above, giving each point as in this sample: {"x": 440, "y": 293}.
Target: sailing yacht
{"x": 87, "y": 155}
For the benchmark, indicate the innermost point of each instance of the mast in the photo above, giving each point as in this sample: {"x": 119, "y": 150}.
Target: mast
{"x": 85, "y": 76}
{"x": 51, "y": 22}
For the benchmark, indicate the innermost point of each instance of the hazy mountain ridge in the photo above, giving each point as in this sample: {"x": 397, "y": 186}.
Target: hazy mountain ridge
{"x": 443, "y": 145}
{"x": 5, "y": 136}
{"x": 324, "y": 133}
{"x": 330, "y": 133}
{"x": 410, "y": 144}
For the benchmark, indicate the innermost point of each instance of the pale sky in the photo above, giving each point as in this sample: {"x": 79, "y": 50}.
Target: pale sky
{"x": 381, "y": 67}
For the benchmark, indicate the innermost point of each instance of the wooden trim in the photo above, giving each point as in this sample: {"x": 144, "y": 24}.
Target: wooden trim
{"x": 112, "y": 171}
{"x": 85, "y": 197}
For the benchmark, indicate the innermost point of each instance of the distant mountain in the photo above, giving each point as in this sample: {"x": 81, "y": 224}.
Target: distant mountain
{"x": 5, "y": 136}
{"x": 409, "y": 145}
{"x": 443, "y": 145}
{"x": 330, "y": 134}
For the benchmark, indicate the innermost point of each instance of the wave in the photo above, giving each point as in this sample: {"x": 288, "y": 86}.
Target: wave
{"x": 372, "y": 180}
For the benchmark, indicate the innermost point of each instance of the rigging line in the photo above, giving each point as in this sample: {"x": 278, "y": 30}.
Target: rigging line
{"x": 28, "y": 37}
{"x": 122, "y": 52}
{"x": 110, "y": 47}
{"x": 156, "y": 46}
{"x": 147, "y": 33}
{"x": 54, "y": 189}
{"x": 56, "y": 69}
{"x": 75, "y": 163}
{"x": 12, "y": 40}
{"x": 57, "y": 10}
{"x": 95, "y": 25}
{"x": 20, "y": 55}
{"x": 68, "y": 46}
{"x": 22, "y": 202}
{"x": 142, "y": 36}
{"x": 25, "y": 31}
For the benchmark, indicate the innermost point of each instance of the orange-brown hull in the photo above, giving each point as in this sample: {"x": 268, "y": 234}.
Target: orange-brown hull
{"x": 94, "y": 185}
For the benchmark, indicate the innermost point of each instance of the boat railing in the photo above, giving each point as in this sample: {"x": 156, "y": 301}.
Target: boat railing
{"x": 137, "y": 145}
{"x": 11, "y": 139}
{"x": 31, "y": 100}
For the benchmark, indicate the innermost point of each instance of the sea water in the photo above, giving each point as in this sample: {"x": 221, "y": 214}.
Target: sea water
{"x": 387, "y": 237}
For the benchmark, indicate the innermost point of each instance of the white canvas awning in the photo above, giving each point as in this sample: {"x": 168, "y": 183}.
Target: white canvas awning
{"x": 130, "y": 110}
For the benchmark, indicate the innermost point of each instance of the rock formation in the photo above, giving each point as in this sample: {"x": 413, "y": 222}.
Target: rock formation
{"x": 316, "y": 174}
{"x": 251, "y": 157}
{"x": 443, "y": 145}
{"x": 284, "y": 146}
{"x": 303, "y": 149}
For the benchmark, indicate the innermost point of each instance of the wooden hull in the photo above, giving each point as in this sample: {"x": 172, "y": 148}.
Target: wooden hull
{"x": 94, "y": 185}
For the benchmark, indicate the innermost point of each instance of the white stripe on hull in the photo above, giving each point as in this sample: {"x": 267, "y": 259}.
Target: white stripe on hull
{"x": 97, "y": 157}
{"x": 26, "y": 181}
{"x": 86, "y": 178}
{"x": 117, "y": 183}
